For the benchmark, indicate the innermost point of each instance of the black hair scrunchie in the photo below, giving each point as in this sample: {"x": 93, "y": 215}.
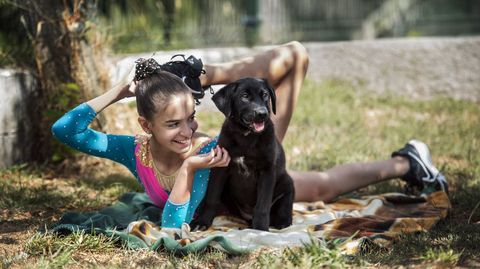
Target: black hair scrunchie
{"x": 145, "y": 68}
{"x": 189, "y": 70}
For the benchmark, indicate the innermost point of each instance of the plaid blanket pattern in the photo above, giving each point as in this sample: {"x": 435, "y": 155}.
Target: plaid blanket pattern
{"x": 374, "y": 219}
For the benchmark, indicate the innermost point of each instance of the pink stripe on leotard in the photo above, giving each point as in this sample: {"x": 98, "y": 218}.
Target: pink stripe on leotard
{"x": 153, "y": 189}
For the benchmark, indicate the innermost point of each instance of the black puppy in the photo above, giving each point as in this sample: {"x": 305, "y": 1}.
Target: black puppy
{"x": 255, "y": 186}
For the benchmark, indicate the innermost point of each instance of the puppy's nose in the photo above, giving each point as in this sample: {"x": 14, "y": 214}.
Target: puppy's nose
{"x": 261, "y": 113}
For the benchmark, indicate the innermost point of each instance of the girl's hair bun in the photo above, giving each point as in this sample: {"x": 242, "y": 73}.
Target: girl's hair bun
{"x": 189, "y": 70}
{"x": 145, "y": 68}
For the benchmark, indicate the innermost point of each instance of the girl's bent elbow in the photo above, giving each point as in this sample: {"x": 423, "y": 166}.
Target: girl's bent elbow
{"x": 60, "y": 130}
{"x": 57, "y": 129}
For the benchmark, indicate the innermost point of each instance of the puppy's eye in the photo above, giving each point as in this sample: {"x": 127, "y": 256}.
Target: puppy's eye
{"x": 245, "y": 96}
{"x": 264, "y": 95}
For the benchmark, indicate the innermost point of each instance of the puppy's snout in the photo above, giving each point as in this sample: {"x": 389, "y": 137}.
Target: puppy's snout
{"x": 260, "y": 114}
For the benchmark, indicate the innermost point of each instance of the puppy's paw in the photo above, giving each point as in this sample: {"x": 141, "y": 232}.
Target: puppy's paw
{"x": 199, "y": 225}
{"x": 200, "y": 228}
{"x": 281, "y": 226}
{"x": 280, "y": 222}
{"x": 260, "y": 224}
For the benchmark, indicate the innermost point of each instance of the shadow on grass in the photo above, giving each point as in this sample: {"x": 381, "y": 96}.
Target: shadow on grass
{"x": 449, "y": 242}
{"x": 29, "y": 201}
{"x": 29, "y": 194}
{"x": 128, "y": 182}
{"x": 13, "y": 226}
{"x": 26, "y": 197}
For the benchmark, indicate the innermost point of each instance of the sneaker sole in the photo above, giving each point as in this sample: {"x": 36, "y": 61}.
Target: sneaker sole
{"x": 443, "y": 182}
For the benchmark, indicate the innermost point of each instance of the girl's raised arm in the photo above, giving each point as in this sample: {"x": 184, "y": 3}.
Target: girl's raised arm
{"x": 126, "y": 88}
{"x": 72, "y": 129}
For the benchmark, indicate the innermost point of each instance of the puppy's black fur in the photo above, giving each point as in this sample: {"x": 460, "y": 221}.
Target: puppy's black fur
{"x": 255, "y": 185}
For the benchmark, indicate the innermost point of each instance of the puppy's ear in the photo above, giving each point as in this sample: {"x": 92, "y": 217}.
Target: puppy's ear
{"x": 273, "y": 97}
{"x": 222, "y": 98}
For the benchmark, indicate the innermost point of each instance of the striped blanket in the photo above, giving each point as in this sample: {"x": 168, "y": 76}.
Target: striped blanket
{"x": 374, "y": 219}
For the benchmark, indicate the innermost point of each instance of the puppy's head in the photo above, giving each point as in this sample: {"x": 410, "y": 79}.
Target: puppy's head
{"x": 247, "y": 101}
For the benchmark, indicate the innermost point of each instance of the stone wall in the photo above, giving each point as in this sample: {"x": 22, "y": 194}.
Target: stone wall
{"x": 17, "y": 115}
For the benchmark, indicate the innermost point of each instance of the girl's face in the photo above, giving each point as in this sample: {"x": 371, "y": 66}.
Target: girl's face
{"x": 173, "y": 125}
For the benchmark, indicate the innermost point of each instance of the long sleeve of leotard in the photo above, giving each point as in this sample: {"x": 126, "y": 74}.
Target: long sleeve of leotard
{"x": 72, "y": 129}
{"x": 174, "y": 215}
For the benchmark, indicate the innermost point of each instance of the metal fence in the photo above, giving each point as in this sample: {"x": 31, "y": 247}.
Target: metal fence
{"x": 315, "y": 20}
{"x": 200, "y": 23}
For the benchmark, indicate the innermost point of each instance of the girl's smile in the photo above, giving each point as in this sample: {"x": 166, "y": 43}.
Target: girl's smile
{"x": 174, "y": 124}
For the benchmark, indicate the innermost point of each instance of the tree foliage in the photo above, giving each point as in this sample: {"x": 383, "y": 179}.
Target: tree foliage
{"x": 15, "y": 43}
{"x": 51, "y": 38}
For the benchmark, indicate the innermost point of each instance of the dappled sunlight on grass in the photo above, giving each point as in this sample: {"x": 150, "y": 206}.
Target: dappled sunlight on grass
{"x": 33, "y": 193}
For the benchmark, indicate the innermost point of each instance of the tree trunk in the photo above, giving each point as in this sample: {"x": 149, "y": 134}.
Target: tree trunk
{"x": 65, "y": 63}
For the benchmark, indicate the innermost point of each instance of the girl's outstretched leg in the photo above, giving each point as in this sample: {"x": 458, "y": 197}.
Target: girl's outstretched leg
{"x": 284, "y": 66}
{"x": 412, "y": 163}
{"x": 326, "y": 186}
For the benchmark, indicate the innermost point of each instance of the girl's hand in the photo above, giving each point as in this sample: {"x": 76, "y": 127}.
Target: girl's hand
{"x": 128, "y": 85}
{"x": 129, "y": 90}
{"x": 217, "y": 157}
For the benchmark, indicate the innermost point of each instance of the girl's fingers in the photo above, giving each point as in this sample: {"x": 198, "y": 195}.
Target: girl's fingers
{"x": 210, "y": 158}
{"x": 132, "y": 87}
{"x": 213, "y": 162}
{"x": 228, "y": 161}
{"x": 216, "y": 157}
{"x": 219, "y": 153}
{"x": 211, "y": 155}
{"x": 225, "y": 157}
{"x": 222, "y": 160}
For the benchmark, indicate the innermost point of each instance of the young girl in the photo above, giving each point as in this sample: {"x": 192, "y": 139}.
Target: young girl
{"x": 173, "y": 163}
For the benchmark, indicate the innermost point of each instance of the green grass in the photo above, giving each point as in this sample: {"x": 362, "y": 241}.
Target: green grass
{"x": 316, "y": 254}
{"x": 333, "y": 124}
{"x": 78, "y": 241}
{"x": 28, "y": 190}
{"x": 56, "y": 251}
